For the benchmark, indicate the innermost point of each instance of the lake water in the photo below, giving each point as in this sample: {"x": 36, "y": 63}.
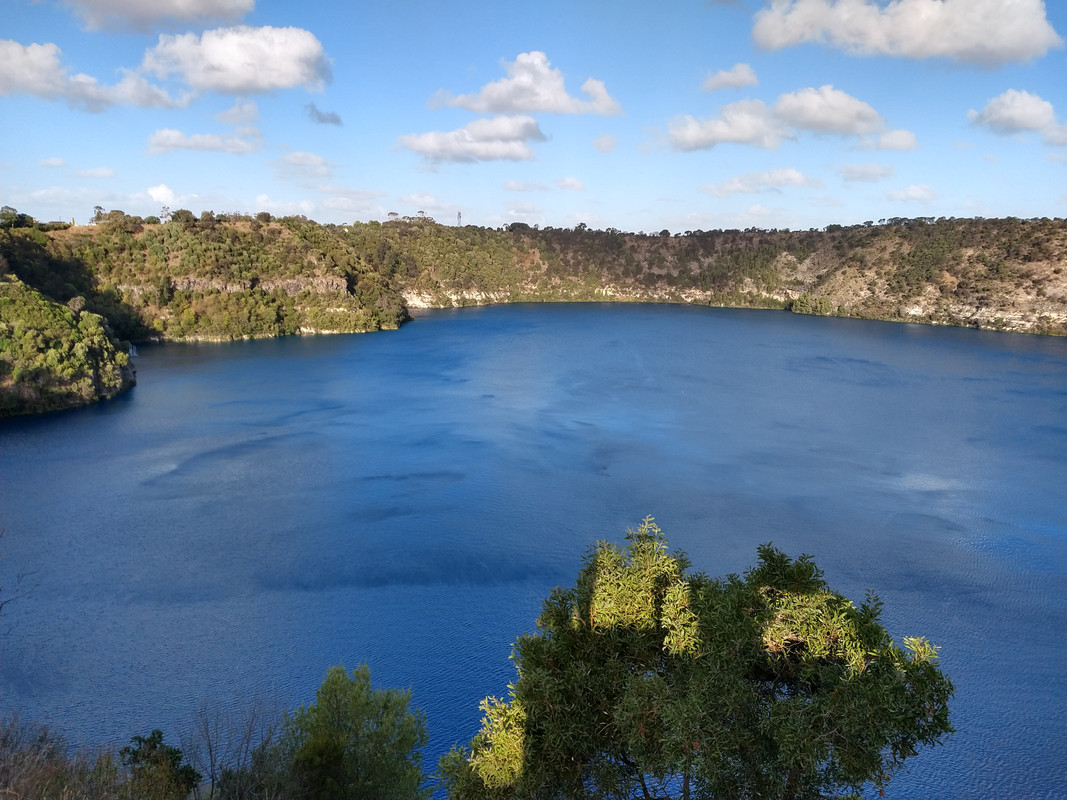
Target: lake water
{"x": 255, "y": 512}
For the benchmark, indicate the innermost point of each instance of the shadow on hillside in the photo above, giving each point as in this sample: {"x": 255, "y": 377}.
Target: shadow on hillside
{"x": 62, "y": 279}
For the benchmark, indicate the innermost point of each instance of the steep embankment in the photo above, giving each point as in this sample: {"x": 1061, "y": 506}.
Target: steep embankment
{"x": 1000, "y": 274}
{"x": 226, "y": 277}
{"x": 54, "y": 356}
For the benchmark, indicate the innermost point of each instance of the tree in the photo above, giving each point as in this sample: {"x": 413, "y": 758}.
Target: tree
{"x": 355, "y": 742}
{"x": 233, "y": 748}
{"x": 183, "y": 217}
{"x": 647, "y": 681}
{"x": 156, "y": 769}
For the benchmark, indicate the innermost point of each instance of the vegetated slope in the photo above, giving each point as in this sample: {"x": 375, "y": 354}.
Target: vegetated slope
{"x": 1003, "y": 274}
{"x": 235, "y": 276}
{"x": 231, "y": 278}
{"x": 54, "y": 356}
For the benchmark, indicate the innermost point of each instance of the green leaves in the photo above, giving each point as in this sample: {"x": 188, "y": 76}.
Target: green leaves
{"x": 646, "y": 681}
{"x": 356, "y": 742}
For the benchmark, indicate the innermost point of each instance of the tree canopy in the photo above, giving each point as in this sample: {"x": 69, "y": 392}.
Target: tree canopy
{"x": 355, "y": 742}
{"x": 157, "y": 769}
{"x": 645, "y": 680}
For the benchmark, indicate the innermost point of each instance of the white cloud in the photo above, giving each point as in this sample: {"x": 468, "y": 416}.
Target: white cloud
{"x": 31, "y": 69}
{"x": 743, "y": 122}
{"x": 36, "y": 69}
{"x": 97, "y": 172}
{"x": 162, "y": 194}
{"x": 828, "y": 110}
{"x": 167, "y": 140}
{"x": 823, "y": 110}
{"x": 532, "y": 85}
{"x": 495, "y": 139}
{"x": 242, "y": 59}
{"x": 770, "y": 180}
{"x": 139, "y": 14}
{"x": 242, "y": 112}
{"x": 987, "y": 32}
{"x": 570, "y": 184}
{"x": 301, "y": 166}
{"x": 605, "y": 143}
{"x": 864, "y": 173}
{"x": 1020, "y": 111}
{"x": 916, "y": 193}
{"x": 52, "y": 163}
{"x": 736, "y": 77}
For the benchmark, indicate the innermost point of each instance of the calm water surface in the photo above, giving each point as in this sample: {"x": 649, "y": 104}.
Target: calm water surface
{"x": 253, "y": 513}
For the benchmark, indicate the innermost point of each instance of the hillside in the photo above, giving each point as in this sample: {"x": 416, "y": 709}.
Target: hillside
{"x": 222, "y": 277}
{"x": 998, "y": 274}
{"x": 54, "y": 356}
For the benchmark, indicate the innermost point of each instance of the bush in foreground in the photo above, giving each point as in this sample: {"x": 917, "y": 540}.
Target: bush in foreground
{"x": 647, "y": 681}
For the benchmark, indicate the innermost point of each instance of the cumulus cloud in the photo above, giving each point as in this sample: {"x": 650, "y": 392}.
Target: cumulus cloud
{"x": 570, "y": 184}
{"x": 501, "y": 138}
{"x": 37, "y": 69}
{"x": 242, "y": 59}
{"x": 167, "y": 140}
{"x": 828, "y": 110}
{"x": 864, "y": 173}
{"x": 743, "y": 122}
{"x": 823, "y": 110}
{"x": 52, "y": 163}
{"x": 302, "y": 166}
{"x": 771, "y": 180}
{"x": 1020, "y": 111}
{"x": 986, "y": 32}
{"x": 162, "y": 194}
{"x": 916, "y": 193}
{"x": 322, "y": 117}
{"x": 532, "y": 85}
{"x": 97, "y": 14}
{"x": 738, "y": 76}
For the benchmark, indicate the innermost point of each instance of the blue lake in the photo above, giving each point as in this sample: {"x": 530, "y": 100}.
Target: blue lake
{"x": 255, "y": 512}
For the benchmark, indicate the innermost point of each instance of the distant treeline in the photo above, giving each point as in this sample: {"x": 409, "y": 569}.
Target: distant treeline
{"x": 231, "y": 276}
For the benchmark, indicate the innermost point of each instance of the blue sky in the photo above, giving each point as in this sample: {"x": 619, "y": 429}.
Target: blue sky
{"x": 633, "y": 115}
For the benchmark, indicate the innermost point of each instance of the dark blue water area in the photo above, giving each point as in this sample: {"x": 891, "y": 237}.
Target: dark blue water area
{"x": 255, "y": 512}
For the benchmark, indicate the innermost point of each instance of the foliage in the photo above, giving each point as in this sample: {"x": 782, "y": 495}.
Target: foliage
{"x": 55, "y": 356}
{"x": 355, "y": 742}
{"x": 157, "y": 771}
{"x": 37, "y": 764}
{"x": 645, "y": 680}
{"x": 808, "y": 304}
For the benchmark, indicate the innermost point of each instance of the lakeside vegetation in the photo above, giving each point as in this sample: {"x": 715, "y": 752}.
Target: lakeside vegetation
{"x": 233, "y": 276}
{"x": 645, "y": 680}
